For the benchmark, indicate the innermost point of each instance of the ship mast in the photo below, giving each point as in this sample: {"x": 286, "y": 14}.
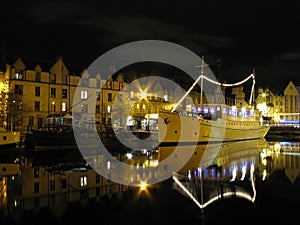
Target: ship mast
{"x": 201, "y": 75}
{"x": 191, "y": 88}
{"x": 217, "y": 83}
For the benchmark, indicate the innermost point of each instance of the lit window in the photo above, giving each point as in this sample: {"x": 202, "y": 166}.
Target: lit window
{"x": 83, "y": 95}
{"x": 64, "y": 106}
{"x": 83, "y": 181}
{"x": 19, "y": 74}
{"x": 166, "y": 97}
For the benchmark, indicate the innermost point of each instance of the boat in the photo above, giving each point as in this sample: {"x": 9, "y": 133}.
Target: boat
{"x": 9, "y": 140}
{"x": 214, "y": 120}
{"x": 60, "y": 133}
{"x": 57, "y": 134}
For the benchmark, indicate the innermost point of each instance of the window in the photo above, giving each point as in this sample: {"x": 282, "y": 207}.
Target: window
{"x": 83, "y": 181}
{"x": 109, "y": 86}
{"x": 53, "y": 92}
{"x": 120, "y": 85}
{"x": 65, "y": 79}
{"x": 38, "y": 76}
{"x": 84, "y": 82}
{"x": 64, "y": 93}
{"x": 109, "y": 97}
{"x": 97, "y": 108}
{"x": 31, "y": 120}
{"x": 19, "y": 74}
{"x": 83, "y": 95}
{"x": 98, "y": 83}
{"x": 98, "y": 96}
{"x": 19, "y": 89}
{"x": 37, "y": 91}
{"x": 37, "y": 106}
{"x": 53, "y": 78}
{"x": 63, "y": 106}
{"x": 98, "y": 179}
{"x": 84, "y": 108}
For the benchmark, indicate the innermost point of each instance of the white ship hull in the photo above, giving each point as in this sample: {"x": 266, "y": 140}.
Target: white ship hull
{"x": 177, "y": 129}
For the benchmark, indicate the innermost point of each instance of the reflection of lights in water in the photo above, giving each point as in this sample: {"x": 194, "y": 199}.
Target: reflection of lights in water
{"x": 227, "y": 192}
{"x": 189, "y": 175}
{"x": 264, "y": 174}
{"x": 277, "y": 147}
{"x": 143, "y": 186}
{"x": 233, "y": 173}
{"x": 243, "y": 172}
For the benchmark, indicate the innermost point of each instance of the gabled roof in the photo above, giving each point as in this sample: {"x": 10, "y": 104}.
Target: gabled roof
{"x": 46, "y": 65}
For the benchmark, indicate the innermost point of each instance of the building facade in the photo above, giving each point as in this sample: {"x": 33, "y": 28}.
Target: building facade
{"x": 279, "y": 108}
{"x": 50, "y": 89}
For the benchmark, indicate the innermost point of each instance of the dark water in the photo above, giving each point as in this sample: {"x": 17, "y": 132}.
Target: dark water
{"x": 236, "y": 183}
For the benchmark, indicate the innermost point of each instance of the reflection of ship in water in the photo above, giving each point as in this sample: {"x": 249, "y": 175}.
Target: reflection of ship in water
{"x": 218, "y": 154}
{"x": 219, "y": 171}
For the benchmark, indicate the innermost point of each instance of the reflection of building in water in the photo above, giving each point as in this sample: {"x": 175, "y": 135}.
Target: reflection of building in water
{"x": 285, "y": 156}
{"x": 36, "y": 187}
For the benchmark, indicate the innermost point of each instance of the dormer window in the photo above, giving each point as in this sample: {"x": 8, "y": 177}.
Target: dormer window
{"x": 19, "y": 74}
{"x": 38, "y": 76}
{"x": 53, "y": 78}
{"x": 84, "y": 82}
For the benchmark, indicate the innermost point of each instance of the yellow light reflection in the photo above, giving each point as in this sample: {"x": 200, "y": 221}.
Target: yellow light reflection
{"x": 143, "y": 186}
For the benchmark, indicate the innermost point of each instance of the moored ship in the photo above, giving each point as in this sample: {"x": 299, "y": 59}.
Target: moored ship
{"x": 216, "y": 120}
{"x": 176, "y": 128}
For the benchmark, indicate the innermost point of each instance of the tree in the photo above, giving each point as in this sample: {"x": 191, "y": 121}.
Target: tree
{"x": 11, "y": 108}
{"x": 121, "y": 108}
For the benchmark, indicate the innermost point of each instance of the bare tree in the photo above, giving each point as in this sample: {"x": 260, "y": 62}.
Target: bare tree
{"x": 11, "y": 108}
{"x": 121, "y": 108}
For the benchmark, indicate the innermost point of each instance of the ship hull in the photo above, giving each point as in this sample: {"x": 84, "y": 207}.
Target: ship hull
{"x": 10, "y": 141}
{"x": 176, "y": 129}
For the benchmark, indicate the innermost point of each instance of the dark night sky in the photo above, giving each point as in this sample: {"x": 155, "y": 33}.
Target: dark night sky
{"x": 242, "y": 34}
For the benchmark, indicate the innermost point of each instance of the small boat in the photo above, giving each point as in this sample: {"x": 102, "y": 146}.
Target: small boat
{"x": 60, "y": 134}
{"x": 56, "y": 134}
{"x": 214, "y": 120}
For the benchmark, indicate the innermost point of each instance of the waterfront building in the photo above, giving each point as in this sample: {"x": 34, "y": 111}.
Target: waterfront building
{"x": 49, "y": 89}
{"x": 279, "y": 107}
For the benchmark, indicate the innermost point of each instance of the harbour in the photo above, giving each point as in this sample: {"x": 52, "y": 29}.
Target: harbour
{"x": 61, "y": 188}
